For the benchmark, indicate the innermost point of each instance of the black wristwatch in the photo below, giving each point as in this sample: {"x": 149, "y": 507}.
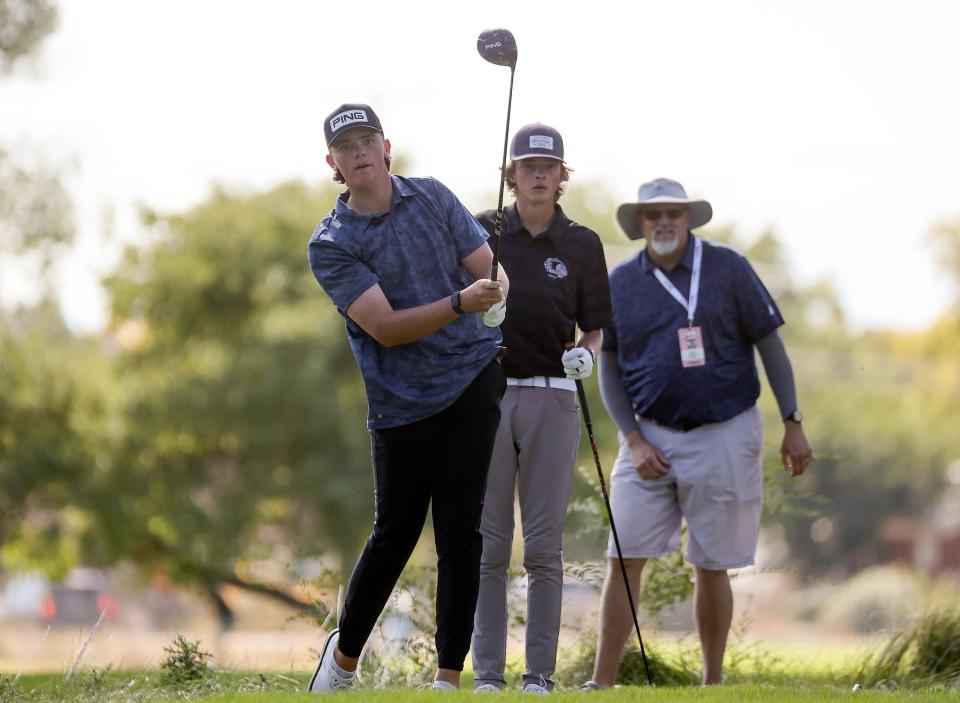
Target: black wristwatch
{"x": 455, "y": 303}
{"x": 796, "y": 416}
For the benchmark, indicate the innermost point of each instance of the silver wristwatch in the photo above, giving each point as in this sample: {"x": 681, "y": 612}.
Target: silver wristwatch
{"x": 796, "y": 416}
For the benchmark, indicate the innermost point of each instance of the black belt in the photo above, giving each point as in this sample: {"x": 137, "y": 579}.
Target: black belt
{"x": 684, "y": 427}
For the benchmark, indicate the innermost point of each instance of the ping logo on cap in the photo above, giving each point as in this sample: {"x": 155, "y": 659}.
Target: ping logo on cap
{"x": 347, "y": 118}
{"x": 541, "y": 141}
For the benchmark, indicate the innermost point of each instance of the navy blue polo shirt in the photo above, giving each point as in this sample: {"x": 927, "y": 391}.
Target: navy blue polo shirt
{"x": 734, "y": 312}
{"x": 414, "y": 253}
{"x": 558, "y": 281}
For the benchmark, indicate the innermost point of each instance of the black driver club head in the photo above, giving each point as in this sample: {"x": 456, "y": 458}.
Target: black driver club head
{"x": 498, "y": 47}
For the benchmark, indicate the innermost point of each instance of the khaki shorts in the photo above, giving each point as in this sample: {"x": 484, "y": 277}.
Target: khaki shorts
{"x": 715, "y": 483}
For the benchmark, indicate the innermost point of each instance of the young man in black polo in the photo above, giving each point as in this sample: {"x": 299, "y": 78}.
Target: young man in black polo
{"x": 559, "y": 283}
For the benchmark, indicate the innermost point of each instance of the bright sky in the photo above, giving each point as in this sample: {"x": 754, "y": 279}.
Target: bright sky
{"x": 833, "y": 122}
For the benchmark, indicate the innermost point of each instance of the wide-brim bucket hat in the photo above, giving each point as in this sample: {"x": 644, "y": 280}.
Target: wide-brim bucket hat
{"x": 661, "y": 190}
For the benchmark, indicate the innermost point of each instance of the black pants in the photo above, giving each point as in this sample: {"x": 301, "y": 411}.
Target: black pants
{"x": 443, "y": 458}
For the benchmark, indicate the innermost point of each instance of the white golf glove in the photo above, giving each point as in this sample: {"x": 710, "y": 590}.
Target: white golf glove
{"x": 494, "y": 316}
{"x": 577, "y": 363}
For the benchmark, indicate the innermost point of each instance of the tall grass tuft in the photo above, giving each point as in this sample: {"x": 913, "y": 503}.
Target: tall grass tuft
{"x": 677, "y": 669}
{"x": 8, "y": 689}
{"x": 925, "y": 654}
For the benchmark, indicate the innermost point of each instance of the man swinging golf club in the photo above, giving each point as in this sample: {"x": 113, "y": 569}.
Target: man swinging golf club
{"x": 678, "y": 376}
{"x": 406, "y": 264}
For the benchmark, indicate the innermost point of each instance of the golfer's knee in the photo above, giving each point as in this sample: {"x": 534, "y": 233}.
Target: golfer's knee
{"x": 496, "y": 554}
{"x": 453, "y": 543}
{"x": 711, "y": 575}
{"x": 542, "y": 557}
{"x": 633, "y": 567}
{"x": 395, "y": 536}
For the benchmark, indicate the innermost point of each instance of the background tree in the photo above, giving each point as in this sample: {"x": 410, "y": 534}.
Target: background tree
{"x": 24, "y": 25}
{"x": 242, "y": 440}
{"x": 49, "y": 399}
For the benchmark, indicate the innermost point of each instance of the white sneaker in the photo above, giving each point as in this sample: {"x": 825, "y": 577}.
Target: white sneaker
{"x": 536, "y": 689}
{"x": 590, "y": 686}
{"x": 329, "y": 678}
{"x": 442, "y": 686}
{"x": 487, "y": 688}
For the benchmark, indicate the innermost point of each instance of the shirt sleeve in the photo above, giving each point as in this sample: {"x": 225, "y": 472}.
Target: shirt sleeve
{"x": 610, "y": 339}
{"x": 593, "y": 293}
{"x": 610, "y": 330}
{"x": 759, "y": 315}
{"x": 614, "y": 395}
{"x": 779, "y": 372}
{"x": 467, "y": 233}
{"x": 341, "y": 275}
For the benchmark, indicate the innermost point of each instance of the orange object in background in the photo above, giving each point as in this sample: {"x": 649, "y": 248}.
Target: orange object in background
{"x": 76, "y": 606}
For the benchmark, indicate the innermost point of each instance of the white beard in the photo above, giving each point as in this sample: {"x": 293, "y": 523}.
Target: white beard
{"x": 664, "y": 247}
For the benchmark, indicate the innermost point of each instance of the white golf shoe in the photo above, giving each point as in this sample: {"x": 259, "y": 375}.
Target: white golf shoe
{"x": 442, "y": 686}
{"x": 487, "y": 688}
{"x": 330, "y": 678}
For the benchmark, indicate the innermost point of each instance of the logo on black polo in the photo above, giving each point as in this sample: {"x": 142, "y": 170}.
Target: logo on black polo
{"x": 555, "y": 268}
{"x": 347, "y": 118}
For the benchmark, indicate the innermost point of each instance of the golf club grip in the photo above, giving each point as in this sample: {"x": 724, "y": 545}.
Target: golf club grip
{"x": 496, "y": 237}
{"x": 585, "y": 409}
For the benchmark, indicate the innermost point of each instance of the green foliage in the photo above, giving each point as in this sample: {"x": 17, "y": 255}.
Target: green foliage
{"x": 676, "y": 669}
{"x": 401, "y": 649}
{"x": 8, "y": 689}
{"x": 405, "y": 654}
{"x": 881, "y": 416}
{"x": 35, "y": 211}
{"x": 666, "y": 582}
{"x": 945, "y": 236}
{"x": 927, "y": 653}
{"x": 51, "y": 407}
{"x": 113, "y": 686}
{"x": 185, "y": 664}
{"x": 677, "y": 662}
{"x": 242, "y": 429}
{"x": 877, "y": 599}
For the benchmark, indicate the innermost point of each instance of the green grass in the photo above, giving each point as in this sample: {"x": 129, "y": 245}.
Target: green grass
{"x": 742, "y": 694}
{"x": 143, "y": 687}
{"x": 921, "y": 663}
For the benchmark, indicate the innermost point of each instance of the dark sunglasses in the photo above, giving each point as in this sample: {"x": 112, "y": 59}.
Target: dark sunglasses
{"x": 654, "y": 215}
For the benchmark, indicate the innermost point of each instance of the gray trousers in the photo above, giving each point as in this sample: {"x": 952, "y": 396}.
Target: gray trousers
{"x": 535, "y": 451}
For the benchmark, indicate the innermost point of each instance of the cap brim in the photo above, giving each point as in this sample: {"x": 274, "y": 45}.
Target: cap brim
{"x": 701, "y": 212}
{"x": 535, "y": 156}
{"x": 352, "y": 127}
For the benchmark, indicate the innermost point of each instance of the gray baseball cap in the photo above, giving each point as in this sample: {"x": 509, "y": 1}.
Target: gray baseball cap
{"x": 534, "y": 140}
{"x": 665, "y": 191}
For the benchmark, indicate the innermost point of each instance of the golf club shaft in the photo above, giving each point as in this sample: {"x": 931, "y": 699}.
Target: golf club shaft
{"x": 613, "y": 528}
{"x": 503, "y": 169}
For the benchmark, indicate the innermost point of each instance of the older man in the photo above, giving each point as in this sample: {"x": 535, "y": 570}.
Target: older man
{"x": 678, "y": 377}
